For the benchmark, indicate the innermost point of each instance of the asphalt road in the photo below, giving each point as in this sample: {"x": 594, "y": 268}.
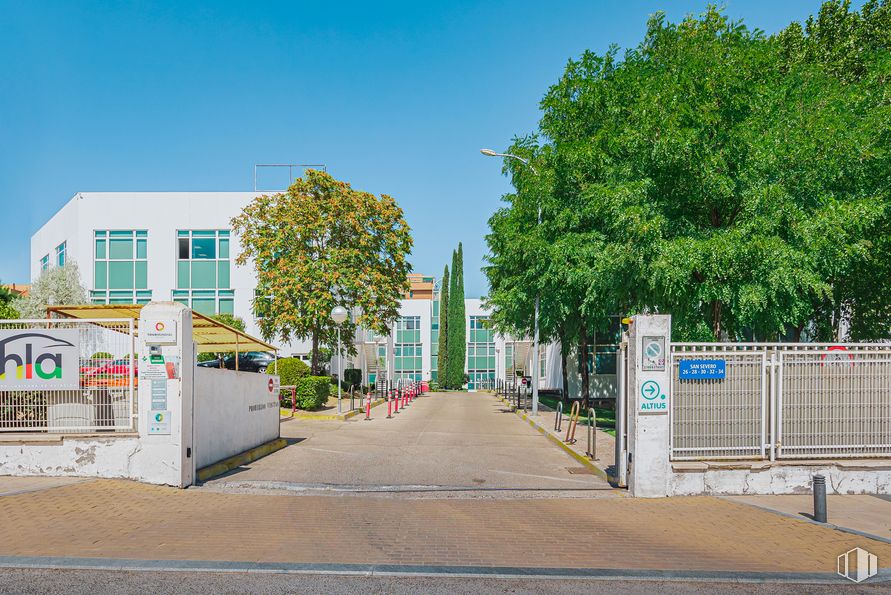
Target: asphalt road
{"x": 93, "y": 582}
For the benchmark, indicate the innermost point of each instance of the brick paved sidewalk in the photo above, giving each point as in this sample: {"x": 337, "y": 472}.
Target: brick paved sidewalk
{"x": 120, "y": 519}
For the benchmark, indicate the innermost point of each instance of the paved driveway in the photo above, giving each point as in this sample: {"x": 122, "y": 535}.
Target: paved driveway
{"x": 443, "y": 443}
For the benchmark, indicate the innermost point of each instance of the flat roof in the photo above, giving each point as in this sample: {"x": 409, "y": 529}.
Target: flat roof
{"x": 210, "y": 335}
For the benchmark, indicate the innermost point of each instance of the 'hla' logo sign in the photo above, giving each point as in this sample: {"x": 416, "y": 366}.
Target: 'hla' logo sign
{"x": 36, "y": 359}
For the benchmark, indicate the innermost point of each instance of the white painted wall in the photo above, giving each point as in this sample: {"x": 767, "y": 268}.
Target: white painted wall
{"x": 842, "y": 477}
{"x": 234, "y": 412}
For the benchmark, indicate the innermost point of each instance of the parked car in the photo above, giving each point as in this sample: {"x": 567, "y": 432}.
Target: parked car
{"x": 252, "y": 361}
{"x": 111, "y": 373}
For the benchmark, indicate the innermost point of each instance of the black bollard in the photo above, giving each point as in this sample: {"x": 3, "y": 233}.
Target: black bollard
{"x": 819, "y": 498}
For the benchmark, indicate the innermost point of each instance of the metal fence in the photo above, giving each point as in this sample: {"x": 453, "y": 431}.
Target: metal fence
{"x": 37, "y": 395}
{"x": 776, "y": 400}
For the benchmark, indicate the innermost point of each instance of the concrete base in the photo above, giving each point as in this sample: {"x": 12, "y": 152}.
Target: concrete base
{"x": 788, "y": 477}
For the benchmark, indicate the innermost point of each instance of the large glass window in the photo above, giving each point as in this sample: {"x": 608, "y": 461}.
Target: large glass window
{"x": 480, "y": 352}
{"x": 408, "y": 350}
{"x": 120, "y": 267}
{"x": 434, "y": 340}
{"x": 60, "y": 254}
{"x": 202, "y": 271}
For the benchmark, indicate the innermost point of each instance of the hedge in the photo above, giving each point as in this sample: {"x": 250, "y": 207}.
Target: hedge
{"x": 352, "y": 376}
{"x": 290, "y": 370}
{"x": 312, "y": 391}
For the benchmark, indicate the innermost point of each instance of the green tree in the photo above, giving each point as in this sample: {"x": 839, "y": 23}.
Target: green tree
{"x": 322, "y": 244}
{"x": 56, "y": 286}
{"x": 737, "y": 181}
{"x": 442, "y": 364}
{"x": 7, "y": 312}
{"x": 457, "y": 332}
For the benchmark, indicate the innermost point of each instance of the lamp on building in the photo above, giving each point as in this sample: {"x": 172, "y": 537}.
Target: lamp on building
{"x": 339, "y": 315}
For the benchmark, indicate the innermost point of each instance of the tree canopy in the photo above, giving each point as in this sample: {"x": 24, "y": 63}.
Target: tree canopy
{"x": 321, "y": 244}
{"x": 55, "y": 286}
{"x": 735, "y": 180}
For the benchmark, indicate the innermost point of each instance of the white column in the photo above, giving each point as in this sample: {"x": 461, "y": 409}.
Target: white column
{"x": 166, "y": 356}
{"x": 649, "y": 404}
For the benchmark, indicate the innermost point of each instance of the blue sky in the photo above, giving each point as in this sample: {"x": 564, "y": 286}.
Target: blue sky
{"x": 393, "y": 97}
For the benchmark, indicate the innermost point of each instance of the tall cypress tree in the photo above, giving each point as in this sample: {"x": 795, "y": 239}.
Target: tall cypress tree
{"x": 449, "y": 372}
{"x": 442, "y": 364}
{"x": 461, "y": 335}
{"x": 457, "y": 345}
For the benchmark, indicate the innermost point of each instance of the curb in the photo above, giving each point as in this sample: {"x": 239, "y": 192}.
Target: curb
{"x": 556, "y": 440}
{"x": 335, "y": 417}
{"x": 412, "y": 570}
{"x": 242, "y": 458}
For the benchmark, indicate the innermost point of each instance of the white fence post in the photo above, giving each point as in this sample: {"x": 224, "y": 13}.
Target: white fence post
{"x": 649, "y": 388}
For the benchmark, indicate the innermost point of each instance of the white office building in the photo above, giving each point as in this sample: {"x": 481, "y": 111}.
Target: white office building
{"x": 137, "y": 247}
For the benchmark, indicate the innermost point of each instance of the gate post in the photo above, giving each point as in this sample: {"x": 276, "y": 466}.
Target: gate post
{"x": 166, "y": 364}
{"x": 648, "y": 405}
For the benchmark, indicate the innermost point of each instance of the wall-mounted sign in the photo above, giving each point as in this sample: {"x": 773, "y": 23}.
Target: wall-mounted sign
{"x": 159, "y": 332}
{"x": 653, "y": 354}
{"x": 39, "y": 359}
{"x": 159, "y": 423}
{"x": 702, "y": 369}
{"x": 652, "y": 398}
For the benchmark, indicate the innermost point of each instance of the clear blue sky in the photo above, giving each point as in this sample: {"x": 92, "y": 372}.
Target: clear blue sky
{"x": 393, "y": 97}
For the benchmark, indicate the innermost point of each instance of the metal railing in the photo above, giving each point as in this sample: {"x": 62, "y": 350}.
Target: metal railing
{"x": 38, "y": 391}
{"x": 782, "y": 401}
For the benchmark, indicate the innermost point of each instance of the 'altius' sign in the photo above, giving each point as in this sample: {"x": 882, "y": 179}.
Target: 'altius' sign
{"x": 37, "y": 359}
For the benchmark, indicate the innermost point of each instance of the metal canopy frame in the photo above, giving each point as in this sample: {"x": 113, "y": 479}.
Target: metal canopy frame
{"x": 210, "y": 336}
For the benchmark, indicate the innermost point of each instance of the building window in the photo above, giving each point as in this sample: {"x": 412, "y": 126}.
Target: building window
{"x": 120, "y": 267}
{"x": 207, "y": 301}
{"x": 542, "y": 361}
{"x": 480, "y": 352}
{"x": 44, "y": 263}
{"x": 60, "y": 254}
{"x": 434, "y": 340}
{"x": 202, "y": 271}
{"x": 408, "y": 350}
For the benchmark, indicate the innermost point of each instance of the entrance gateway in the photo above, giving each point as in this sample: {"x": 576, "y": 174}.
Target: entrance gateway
{"x": 730, "y": 418}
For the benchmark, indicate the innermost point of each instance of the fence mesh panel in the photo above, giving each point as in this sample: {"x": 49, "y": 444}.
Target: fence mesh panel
{"x": 106, "y": 378}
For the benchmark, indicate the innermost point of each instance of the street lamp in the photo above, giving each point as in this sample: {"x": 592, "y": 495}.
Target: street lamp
{"x": 339, "y": 315}
{"x": 491, "y": 153}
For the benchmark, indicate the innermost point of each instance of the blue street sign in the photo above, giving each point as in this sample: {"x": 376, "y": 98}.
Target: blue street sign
{"x": 702, "y": 369}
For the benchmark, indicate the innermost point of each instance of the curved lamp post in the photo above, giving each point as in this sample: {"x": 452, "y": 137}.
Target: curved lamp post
{"x": 491, "y": 153}
{"x": 339, "y": 314}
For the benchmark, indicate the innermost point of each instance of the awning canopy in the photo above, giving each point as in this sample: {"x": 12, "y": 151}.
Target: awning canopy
{"x": 210, "y": 336}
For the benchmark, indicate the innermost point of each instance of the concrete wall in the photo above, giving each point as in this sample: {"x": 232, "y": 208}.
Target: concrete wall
{"x": 234, "y": 412}
{"x": 762, "y": 477}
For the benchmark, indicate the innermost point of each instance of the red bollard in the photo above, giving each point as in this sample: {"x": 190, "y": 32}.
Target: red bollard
{"x": 389, "y": 407}
{"x": 293, "y": 401}
{"x": 396, "y": 406}
{"x": 368, "y": 407}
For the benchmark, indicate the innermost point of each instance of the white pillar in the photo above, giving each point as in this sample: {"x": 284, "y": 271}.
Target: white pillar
{"x": 649, "y": 404}
{"x": 166, "y": 356}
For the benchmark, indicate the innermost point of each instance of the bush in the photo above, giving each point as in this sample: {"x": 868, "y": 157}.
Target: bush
{"x": 290, "y": 370}
{"x": 352, "y": 376}
{"x": 312, "y": 391}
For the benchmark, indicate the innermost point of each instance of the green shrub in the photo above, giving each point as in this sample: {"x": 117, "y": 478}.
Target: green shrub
{"x": 102, "y": 355}
{"x": 312, "y": 391}
{"x": 352, "y": 376}
{"x": 290, "y": 370}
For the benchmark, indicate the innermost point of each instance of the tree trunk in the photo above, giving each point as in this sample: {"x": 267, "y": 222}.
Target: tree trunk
{"x": 583, "y": 365}
{"x": 314, "y": 360}
{"x": 716, "y": 319}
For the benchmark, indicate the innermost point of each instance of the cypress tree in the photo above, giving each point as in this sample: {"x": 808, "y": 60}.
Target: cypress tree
{"x": 457, "y": 345}
{"x": 442, "y": 364}
{"x": 449, "y": 372}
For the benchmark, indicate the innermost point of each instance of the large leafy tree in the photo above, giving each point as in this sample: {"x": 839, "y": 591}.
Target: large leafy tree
{"x": 739, "y": 182}
{"x": 6, "y": 309}
{"x": 321, "y": 244}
